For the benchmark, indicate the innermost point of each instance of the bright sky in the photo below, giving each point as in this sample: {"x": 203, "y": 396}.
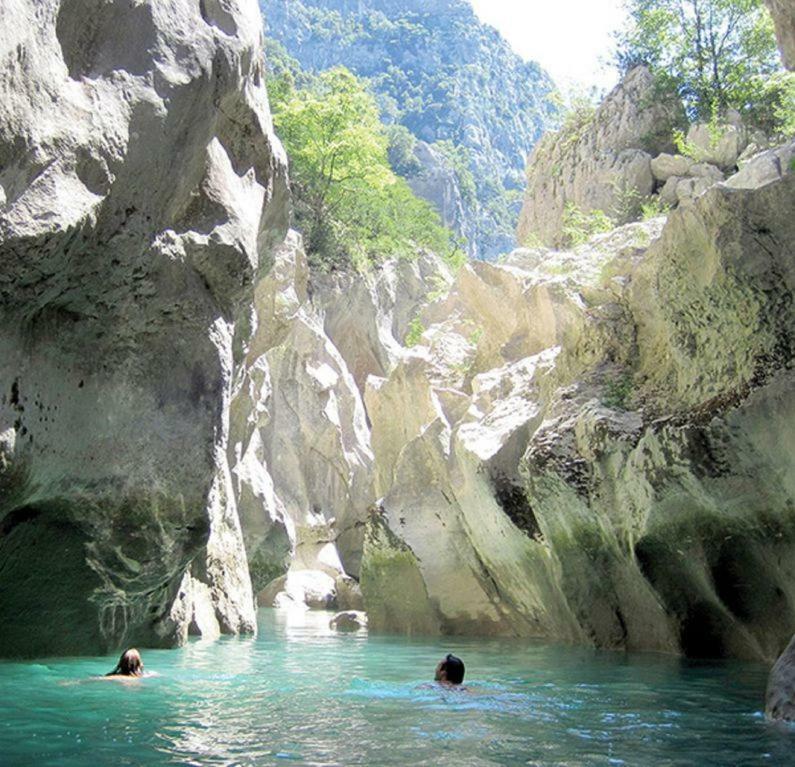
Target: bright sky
{"x": 571, "y": 39}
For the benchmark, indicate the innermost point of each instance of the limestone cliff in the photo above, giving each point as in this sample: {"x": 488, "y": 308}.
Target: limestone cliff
{"x": 633, "y": 155}
{"x": 610, "y": 461}
{"x": 601, "y": 160}
{"x": 141, "y": 189}
{"x": 591, "y": 445}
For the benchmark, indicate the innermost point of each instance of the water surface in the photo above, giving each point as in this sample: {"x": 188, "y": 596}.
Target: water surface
{"x": 301, "y": 695}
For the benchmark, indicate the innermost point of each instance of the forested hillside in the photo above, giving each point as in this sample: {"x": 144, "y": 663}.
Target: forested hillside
{"x": 472, "y": 109}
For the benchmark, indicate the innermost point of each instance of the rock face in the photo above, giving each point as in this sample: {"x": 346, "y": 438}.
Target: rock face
{"x": 439, "y": 184}
{"x": 300, "y": 440}
{"x": 607, "y": 462}
{"x": 142, "y": 189}
{"x": 614, "y": 166}
{"x": 601, "y": 161}
{"x": 302, "y": 457}
{"x": 783, "y": 12}
{"x": 780, "y": 696}
{"x": 444, "y": 75}
{"x": 610, "y": 462}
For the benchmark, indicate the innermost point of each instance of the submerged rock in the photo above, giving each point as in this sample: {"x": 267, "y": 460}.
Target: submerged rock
{"x": 142, "y": 189}
{"x": 350, "y": 620}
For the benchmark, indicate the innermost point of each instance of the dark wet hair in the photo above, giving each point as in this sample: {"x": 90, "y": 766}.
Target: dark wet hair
{"x": 453, "y": 668}
{"x": 130, "y": 664}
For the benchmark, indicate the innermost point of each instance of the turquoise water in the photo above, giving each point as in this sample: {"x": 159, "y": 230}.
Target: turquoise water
{"x": 300, "y": 695}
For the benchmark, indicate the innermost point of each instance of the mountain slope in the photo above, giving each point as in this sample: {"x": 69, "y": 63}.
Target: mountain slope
{"x": 445, "y": 76}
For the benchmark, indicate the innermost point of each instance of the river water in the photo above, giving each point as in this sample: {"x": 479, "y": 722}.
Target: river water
{"x": 299, "y": 694}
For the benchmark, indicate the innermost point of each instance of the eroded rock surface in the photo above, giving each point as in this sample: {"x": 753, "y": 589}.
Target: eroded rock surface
{"x": 602, "y": 161}
{"x": 301, "y": 445}
{"x": 142, "y": 189}
{"x": 610, "y": 461}
{"x": 780, "y": 695}
{"x": 783, "y": 12}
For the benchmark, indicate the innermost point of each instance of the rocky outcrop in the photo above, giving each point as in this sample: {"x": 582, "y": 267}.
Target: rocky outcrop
{"x": 783, "y": 12}
{"x": 609, "y": 461}
{"x": 141, "y": 191}
{"x": 437, "y": 182}
{"x": 444, "y": 75}
{"x": 600, "y": 160}
{"x": 303, "y": 464}
{"x": 780, "y": 695}
{"x": 615, "y": 165}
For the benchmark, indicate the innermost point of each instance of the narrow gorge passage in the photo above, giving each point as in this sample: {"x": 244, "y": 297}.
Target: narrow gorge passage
{"x": 338, "y": 336}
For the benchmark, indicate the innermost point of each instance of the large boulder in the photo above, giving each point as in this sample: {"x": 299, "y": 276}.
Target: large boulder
{"x": 719, "y": 145}
{"x": 142, "y": 189}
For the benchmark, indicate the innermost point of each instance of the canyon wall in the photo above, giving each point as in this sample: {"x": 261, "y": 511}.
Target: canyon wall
{"x": 141, "y": 190}
{"x": 591, "y": 445}
{"x": 609, "y": 461}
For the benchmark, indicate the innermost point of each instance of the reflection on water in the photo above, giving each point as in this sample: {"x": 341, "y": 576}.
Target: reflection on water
{"x": 302, "y": 694}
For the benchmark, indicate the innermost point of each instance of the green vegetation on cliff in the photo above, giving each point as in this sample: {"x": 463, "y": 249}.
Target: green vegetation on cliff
{"x": 716, "y": 54}
{"x": 350, "y": 205}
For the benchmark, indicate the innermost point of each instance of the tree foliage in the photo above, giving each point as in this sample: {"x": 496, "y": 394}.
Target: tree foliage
{"x": 717, "y": 54}
{"x": 349, "y": 203}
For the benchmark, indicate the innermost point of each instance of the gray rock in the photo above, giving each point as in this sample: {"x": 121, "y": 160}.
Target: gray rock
{"x": 666, "y": 165}
{"x": 604, "y": 163}
{"x": 668, "y": 192}
{"x": 780, "y": 693}
{"x": 706, "y": 171}
{"x": 349, "y": 594}
{"x": 349, "y": 620}
{"x": 718, "y": 145}
{"x": 610, "y": 481}
{"x": 437, "y": 183}
{"x": 143, "y": 191}
{"x": 764, "y": 168}
{"x": 783, "y": 12}
{"x": 690, "y": 188}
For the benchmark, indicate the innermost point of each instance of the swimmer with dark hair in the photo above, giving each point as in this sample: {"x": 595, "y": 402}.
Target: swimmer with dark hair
{"x": 450, "y": 671}
{"x": 130, "y": 665}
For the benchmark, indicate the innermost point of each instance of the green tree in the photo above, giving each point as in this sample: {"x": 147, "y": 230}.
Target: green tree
{"x": 349, "y": 203}
{"x": 402, "y": 144}
{"x": 333, "y": 136}
{"x": 715, "y": 53}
